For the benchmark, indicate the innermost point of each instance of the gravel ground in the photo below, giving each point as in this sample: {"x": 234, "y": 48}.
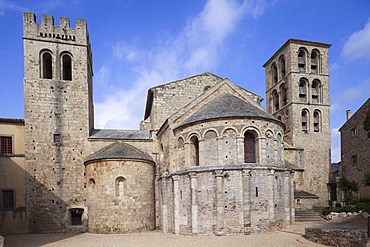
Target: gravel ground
{"x": 287, "y": 237}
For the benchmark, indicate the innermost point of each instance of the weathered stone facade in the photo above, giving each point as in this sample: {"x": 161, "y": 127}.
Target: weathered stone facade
{"x": 297, "y": 91}
{"x": 355, "y": 148}
{"x": 207, "y": 160}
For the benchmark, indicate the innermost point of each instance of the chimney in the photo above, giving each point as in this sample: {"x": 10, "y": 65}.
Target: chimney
{"x": 348, "y": 113}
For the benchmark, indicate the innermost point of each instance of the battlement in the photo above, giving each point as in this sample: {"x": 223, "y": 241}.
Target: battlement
{"x": 49, "y": 32}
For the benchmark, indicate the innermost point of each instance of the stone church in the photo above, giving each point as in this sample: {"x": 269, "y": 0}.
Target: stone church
{"x": 208, "y": 158}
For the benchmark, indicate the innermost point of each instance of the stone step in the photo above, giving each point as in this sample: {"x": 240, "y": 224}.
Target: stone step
{"x": 308, "y": 215}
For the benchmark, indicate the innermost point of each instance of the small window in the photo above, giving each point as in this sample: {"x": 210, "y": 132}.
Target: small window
{"x": 67, "y": 67}
{"x": 47, "y": 67}
{"x": 315, "y": 91}
{"x": 316, "y": 121}
{"x": 7, "y": 198}
{"x": 304, "y": 121}
{"x": 354, "y": 159}
{"x": 314, "y": 62}
{"x": 302, "y": 90}
{"x": 6, "y": 144}
{"x": 302, "y": 61}
{"x": 354, "y": 131}
{"x": 57, "y": 138}
{"x": 275, "y": 96}
{"x": 282, "y": 66}
{"x": 195, "y": 150}
{"x": 120, "y": 186}
{"x": 284, "y": 100}
{"x": 256, "y": 191}
{"x": 274, "y": 73}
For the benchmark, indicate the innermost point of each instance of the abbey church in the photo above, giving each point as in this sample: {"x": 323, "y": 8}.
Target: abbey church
{"x": 208, "y": 158}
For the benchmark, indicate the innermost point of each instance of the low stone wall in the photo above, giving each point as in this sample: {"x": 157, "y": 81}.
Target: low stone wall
{"x": 337, "y": 237}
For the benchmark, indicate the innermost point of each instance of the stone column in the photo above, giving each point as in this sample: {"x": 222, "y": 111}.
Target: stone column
{"x": 176, "y": 206}
{"x": 292, "y": 206}
{"x": 246, "y": 202}
{"x": 164, "y": 211}
{"x": 187, "y": 154}
{"x": 194, "y": 203}
{"x": 271, "y": 203}
{"x": 261, "y": 153}
{"x": 240, "y": 149}
{"x": 287, "y": 198}
{"x": 201, "y": 153}
{"x": 221, "y": 154}
{"x": 219, "y": 203}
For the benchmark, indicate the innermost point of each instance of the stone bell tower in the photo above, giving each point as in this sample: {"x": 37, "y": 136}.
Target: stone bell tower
{"x": 58, "y": 119}
{"x": 297, "y": 93}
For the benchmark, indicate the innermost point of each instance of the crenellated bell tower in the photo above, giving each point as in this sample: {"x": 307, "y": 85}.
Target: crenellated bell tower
{"x": 58, "y": 119}
{"x": 297, "y": 93}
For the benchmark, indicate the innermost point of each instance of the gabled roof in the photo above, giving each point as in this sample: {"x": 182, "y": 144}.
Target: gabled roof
{"x": 364, "y": 107}
{"x": 118, "y": 150}
{"x": 227, "y": 106}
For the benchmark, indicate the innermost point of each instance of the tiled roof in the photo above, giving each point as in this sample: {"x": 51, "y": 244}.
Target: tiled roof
{"x": 120, "y": 134}
{"x": 304, "y": 195}
{"x": 227, "y": 106}
{"x": 12, "y": 120}
{"x": 118, "y": 150}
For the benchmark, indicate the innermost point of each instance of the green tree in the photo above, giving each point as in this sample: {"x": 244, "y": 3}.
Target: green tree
{"x": 367, "y": 179}
{"x": 348, "y": 187}
{"x": 367, "y": 123}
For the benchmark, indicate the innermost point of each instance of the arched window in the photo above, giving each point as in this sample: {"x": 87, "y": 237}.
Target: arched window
{"x": 274, "y": 73}
{"x": 284, "y": 100}
{"x": 47, "y": 65}
{"x": 275, "y": 97}
{"x": 194, "y": 150}
{"x": 315, "y": 62}
{"x": 316, "y": 121}
{"x": 282, "y": 66}
{"x": 316, "y": 91}
{"x": 305, "y": 121}
{"x": 66, "y": 67}
{"x": 301, "y": 61}
{"x": 120, "y": 186}
{"x": 249, "y": 148}
{"x": 302, "y": 90}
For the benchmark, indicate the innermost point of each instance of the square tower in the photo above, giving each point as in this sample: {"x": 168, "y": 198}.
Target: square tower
{"x": 58, "y": 118}
{"x": 297, "y": 93}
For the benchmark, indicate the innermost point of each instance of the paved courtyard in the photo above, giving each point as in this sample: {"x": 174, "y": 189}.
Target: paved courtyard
{"x": 288, "y": 237}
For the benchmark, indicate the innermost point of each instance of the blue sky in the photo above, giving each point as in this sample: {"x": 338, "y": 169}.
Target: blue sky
{"x": 140, "y": 44}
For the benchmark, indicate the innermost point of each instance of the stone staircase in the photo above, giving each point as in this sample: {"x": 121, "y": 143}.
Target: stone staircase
{"x": 313, "y": 214}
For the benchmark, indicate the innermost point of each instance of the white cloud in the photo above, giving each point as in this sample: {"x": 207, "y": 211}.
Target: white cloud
{"x": 4, "y": 5}
{"x": 196, "y": 49}
{"x": 350, "y": 94}
{"x": 334, "y": 133}
{"x": 358, "y": 44}
{"x": 335, "y": 155}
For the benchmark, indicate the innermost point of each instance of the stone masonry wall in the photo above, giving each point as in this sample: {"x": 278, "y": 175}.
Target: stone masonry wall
{"x": 228, "y": 200}
{"x": 358, "y": 145}
{"x": 120, "y": 196}
{"x": 315, "y": 144}
{"x": 55, "y": 106}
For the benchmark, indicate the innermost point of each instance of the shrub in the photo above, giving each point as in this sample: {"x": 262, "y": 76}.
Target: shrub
{"x": 338, "y": 205}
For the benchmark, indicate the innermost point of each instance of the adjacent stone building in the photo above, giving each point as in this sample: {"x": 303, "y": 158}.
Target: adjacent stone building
{"x": 355, "y": 148}
{"x": 207, "y": 160}
{"x": 13, "y": 202}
